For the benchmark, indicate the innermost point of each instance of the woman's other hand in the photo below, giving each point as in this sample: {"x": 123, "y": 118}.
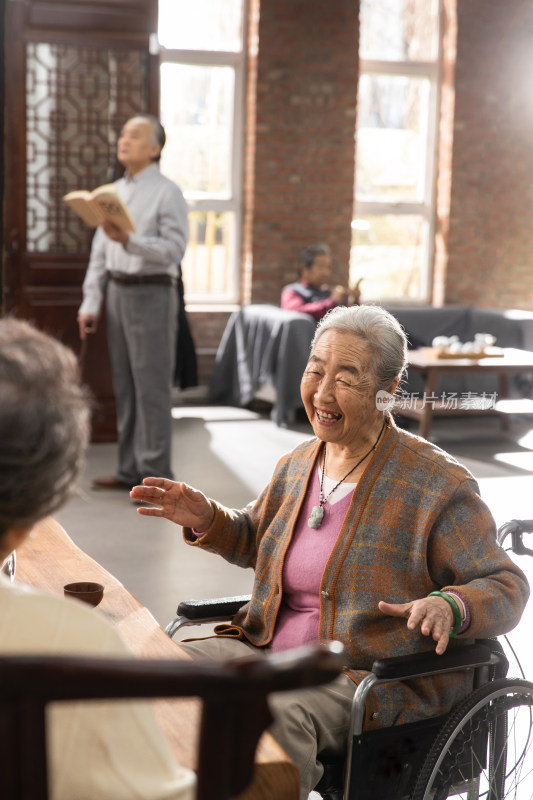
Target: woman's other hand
{"x": 177, "y": 502}
{"x": 432, "y": 615}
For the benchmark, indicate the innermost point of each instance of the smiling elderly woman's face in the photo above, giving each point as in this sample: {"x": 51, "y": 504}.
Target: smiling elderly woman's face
{"x": 339, "y": 389}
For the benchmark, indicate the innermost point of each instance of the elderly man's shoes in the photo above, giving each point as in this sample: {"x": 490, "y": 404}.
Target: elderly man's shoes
{"x": 110, "y": 483}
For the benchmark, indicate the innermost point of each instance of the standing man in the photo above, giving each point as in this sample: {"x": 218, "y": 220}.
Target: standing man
{"x": 311, "y": 293}
{"x": 137, "y": 274}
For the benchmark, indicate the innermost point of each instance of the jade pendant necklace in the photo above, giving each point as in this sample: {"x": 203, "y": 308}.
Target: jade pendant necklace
{"x": 317, "y": 514}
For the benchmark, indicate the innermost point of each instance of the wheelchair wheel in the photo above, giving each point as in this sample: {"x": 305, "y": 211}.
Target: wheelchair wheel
{"x": 484, "y": 750}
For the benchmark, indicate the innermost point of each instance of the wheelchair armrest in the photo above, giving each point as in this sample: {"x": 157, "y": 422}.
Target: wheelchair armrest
{"x": 402, "y": 667}
{"x": 417, "y": 665}
{"x": 211, "y": 608}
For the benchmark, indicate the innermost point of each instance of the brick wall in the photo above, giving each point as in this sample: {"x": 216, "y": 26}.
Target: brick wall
{"x": 299, "y": 156}
{"x": 300, "y": 151}
{"x": 304, "y": 138}
{"x": 490, "y": 237}
{"x": 207, "y": 327}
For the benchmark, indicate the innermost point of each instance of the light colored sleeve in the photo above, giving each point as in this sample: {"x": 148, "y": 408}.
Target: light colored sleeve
{"x": 172, "y": 230}
{"x": 110, "y": 750}
{"x": 94, "y": 282}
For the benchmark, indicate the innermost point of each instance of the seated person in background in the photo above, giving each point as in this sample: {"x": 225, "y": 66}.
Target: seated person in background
{"x": 366, "y": 534}
{"x": 109, "y": 751}
{"x": 311, "y": 294}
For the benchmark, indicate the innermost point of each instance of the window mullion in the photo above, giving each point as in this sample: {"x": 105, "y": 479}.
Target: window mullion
{"x": 211, "y": 262}
{"x": 209, "y": 58}
{"x": 419, "y": 69}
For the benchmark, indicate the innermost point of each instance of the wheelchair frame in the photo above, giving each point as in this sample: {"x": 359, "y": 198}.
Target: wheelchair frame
{"x": 462, "y": 754}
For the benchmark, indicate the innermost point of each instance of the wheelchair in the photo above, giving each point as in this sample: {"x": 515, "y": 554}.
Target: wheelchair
{"x": 481, "y": 750}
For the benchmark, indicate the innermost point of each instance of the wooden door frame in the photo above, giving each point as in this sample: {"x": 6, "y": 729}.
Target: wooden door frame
{"x": 3, "y": 64}
{"x": 46, "y": 286}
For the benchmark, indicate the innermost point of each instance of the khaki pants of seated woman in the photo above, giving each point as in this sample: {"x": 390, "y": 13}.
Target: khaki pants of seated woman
{"x": 306, "y": 721}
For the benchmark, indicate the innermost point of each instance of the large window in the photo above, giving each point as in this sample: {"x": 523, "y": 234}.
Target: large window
{"x": 202, "y": 78}
{"x": 393, "y": 226}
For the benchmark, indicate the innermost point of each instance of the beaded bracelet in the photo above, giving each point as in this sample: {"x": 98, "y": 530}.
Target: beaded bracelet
{"x": 457, "y": 616}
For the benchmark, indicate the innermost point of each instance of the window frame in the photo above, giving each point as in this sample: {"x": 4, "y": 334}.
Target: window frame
{"x": 426, "y": 208}
{"x": 199, "y": 202}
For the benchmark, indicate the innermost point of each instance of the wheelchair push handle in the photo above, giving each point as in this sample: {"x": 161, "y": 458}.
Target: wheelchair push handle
{"x": 515, "y": 528}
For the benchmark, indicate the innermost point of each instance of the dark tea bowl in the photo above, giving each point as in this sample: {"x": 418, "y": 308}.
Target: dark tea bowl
{"x": 85, "y": 591}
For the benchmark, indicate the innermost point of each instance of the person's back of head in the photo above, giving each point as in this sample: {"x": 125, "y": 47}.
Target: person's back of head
{"x": 44, "y": 424}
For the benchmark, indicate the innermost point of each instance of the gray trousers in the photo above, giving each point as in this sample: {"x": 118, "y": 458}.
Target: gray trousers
{"x": 306, "y": 721}
{"x": 142, "y": 326}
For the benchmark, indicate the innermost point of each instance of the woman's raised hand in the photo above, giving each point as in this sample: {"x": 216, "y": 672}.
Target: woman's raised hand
{"x": 177, "y": 502}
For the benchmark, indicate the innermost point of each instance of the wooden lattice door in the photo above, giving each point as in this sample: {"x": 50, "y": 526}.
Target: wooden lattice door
{"x": 76, "y": 72}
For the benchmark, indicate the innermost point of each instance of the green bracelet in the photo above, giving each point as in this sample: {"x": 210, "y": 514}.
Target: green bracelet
{"x": 457, "y": 616}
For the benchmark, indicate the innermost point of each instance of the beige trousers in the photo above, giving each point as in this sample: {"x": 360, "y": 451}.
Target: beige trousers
{"x": 306, "y": 721}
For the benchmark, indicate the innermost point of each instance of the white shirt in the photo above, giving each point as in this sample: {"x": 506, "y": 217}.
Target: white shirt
{"x": 96, "y": 750}
{"x": 160, "y": 213}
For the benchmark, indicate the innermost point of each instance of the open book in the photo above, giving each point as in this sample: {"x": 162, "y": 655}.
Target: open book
{"x": 104, "y": 203}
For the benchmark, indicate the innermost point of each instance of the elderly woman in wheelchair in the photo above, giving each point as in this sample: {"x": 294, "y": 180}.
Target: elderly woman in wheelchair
{"x": 366, "y": 534}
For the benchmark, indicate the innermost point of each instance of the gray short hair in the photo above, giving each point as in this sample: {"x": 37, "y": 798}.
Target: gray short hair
{"x": 44, "y": 424}
{"x": 159, "y": 134}
{"x": 381, "y": 331}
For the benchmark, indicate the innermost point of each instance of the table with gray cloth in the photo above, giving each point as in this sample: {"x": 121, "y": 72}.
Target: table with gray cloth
{"x": 263, "y": 345}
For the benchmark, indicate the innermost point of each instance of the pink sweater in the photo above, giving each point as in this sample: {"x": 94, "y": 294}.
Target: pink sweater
{"x": 299, "y": 613}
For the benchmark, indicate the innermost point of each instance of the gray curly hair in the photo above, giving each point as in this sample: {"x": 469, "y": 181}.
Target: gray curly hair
{"x": 381, "y": 331}
{"x": 44, "y": 424}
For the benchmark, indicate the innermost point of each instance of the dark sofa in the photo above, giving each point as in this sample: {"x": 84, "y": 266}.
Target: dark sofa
{"x": 511, "y": 327}
{"x": 265, "y": 348}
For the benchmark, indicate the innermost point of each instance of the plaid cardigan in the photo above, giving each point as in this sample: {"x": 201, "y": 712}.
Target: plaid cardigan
{"x": 415, "y": 524}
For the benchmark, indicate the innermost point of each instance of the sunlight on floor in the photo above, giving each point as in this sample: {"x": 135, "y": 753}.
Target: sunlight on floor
{"x": 526, "y": 440}
{"x": 508, "y": 497}
{"x": 214, "y": 413}
{"x": 521, "y": 460}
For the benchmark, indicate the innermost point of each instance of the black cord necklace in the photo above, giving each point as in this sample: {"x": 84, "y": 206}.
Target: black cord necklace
{"x": 317, "y": 514}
